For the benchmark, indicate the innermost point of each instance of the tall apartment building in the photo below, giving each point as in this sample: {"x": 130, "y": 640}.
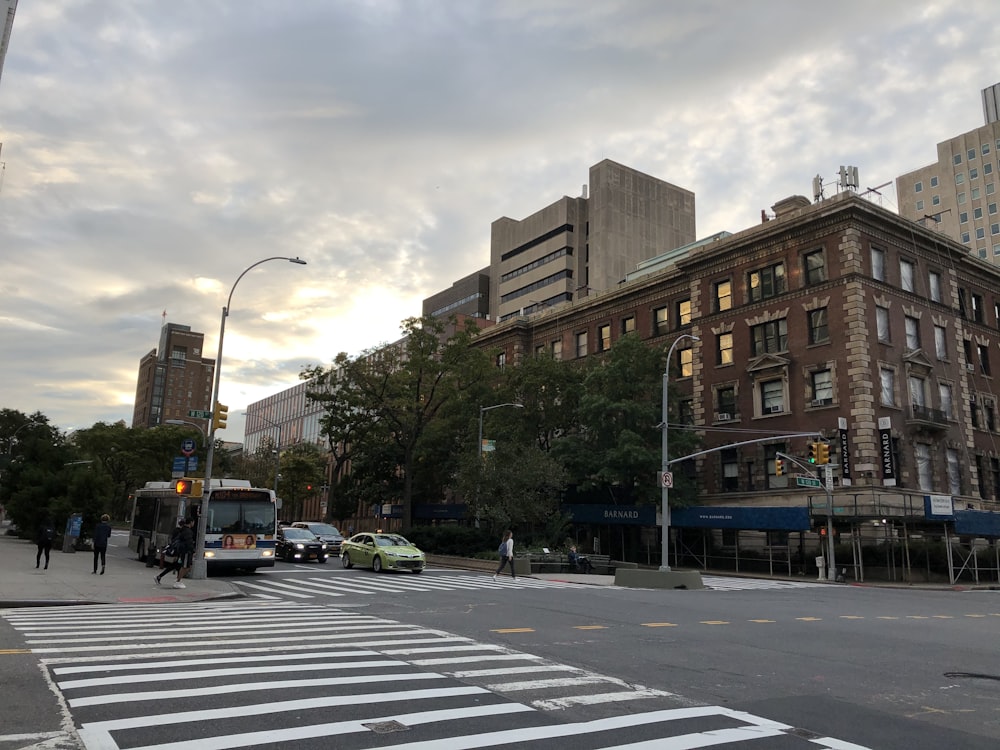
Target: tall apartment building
{"x": 957, "y": 195}
{"x": 7, "y": 8}
{"x": 578, "y": 246}
{"x": 174, "y": 379}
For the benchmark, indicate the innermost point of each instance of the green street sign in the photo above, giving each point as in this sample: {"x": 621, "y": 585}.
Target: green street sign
{"x": 199, "y": 414}
{"x": 808, "y": 482}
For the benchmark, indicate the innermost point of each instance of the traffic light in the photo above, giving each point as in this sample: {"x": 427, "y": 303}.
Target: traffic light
{"x": 219, "y": 416}
{"x": 822, "y": 453}
{"x": 190, "y": 487}
{"x": 779, "y": 467}
{"x": 813, "y": 455}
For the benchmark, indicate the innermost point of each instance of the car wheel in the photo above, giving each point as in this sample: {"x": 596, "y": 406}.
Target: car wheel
{"x": 377, "y": 564}
{"x": 345, "y": 560}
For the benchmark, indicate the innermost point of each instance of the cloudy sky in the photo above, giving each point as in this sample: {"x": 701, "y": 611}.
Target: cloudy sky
{"x": 154, "y": 150}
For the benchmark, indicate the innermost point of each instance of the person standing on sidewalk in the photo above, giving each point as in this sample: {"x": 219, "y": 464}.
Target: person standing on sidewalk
{"x": 46, "y": 533}
{"x": 506, "y": 551}
{"x": 102, "y": 533}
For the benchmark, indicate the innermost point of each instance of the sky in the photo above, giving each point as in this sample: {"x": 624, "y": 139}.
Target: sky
{"x": 152, "y": 151}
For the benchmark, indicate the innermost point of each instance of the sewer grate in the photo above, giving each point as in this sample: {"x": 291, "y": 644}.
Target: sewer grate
{"x": 386, "y": 727}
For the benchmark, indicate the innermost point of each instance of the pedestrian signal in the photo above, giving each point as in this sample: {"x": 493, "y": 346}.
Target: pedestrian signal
{"x": 190, "y": 487}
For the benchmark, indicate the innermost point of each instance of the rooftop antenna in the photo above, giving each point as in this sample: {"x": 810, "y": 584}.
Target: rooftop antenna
{"x": 817, "y": 189}
{"x": 848, "y": 177}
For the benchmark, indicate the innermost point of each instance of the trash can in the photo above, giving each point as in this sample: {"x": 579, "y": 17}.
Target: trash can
{"x": 821, "y": 565}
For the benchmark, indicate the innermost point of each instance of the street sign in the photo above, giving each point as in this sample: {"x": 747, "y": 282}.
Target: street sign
{"x": 188, "y": 446}
{"x": 666, "y": 479}
{"x": 808, "y": 482}
{"x": 199, "y": 414}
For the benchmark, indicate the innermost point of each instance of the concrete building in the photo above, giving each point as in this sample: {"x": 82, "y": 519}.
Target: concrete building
{"x": 468, "y": 296}
{"x": 957, "y": 194}
{"x": 174, "y": 379}
{"x": 7, "y": 8}
{"x": 840, "y": 318}
{"x": 578, "y": 246}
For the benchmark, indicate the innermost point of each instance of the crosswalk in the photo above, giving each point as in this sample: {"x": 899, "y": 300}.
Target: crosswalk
{"x": 301, "y": 583}
{"x": 231, "y": 674}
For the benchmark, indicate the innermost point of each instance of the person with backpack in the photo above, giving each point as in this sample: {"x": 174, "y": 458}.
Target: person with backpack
{"x": 46, "y": 533}
{"x": 102, "y": 533}
{"x": 178, "y": 550}
{"x": 506, "y": 551}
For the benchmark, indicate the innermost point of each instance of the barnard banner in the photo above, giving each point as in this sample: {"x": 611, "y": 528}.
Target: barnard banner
{"x": 621, "y": 515}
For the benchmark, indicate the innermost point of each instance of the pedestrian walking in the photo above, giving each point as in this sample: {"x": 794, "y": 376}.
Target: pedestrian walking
{"x": 46, "y": 533}
{"x": 506, "y": 551}
{"x": 102, "y": 533}
{"x": 181, "y": 547}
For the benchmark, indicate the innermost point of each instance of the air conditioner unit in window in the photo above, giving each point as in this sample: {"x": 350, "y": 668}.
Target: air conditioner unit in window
{"x": 822, "y": 401}
{"x": 723, "y": 416}
{"x": 970, "y": 367}
{"x": 773, "y": 409}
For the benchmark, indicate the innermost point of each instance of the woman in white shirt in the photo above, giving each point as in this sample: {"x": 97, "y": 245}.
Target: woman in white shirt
{"x": 506, "y": 554}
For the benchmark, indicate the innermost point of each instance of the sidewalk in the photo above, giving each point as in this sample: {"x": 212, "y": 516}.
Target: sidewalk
{"x": 69, "y": 579}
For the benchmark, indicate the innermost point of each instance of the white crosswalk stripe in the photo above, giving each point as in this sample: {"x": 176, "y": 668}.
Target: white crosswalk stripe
{"x": 723, "y": 583}
{"x": 220, "y": 675}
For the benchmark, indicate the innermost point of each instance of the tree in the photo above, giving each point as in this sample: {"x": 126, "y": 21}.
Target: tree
{"x": 303, "y": 467}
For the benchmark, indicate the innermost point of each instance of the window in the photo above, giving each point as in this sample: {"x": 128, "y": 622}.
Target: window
{"x": 772, "y": 397}
{"x": 966, "y": 238}
{"x": 581, "y": 344}
{"x": 725, "y": 402}
{"x": 985, "y": 148}
{"x": 994, "y": 228}
{"x": 954, "y": 472}
{"x": 934, "y": 181}
{"x": 975, "y": 193}
{"x": 974, "y": 412}
{"x": 970, "y": 154}
{"x": 628, "y": 325}
{"x": 935, "y": 285}
{"x": 769, "y": 337}
{"x": 918, "y": 187}
{"x": 686, "y": 356}
{"x": 981, "y": 233}
{"x": 660, "y": 321}
{"x": 730, "y": 470}
{"x": 944, "y": 394}
{"x": 685, "y": 413}
{"x": 724, "y": 352}
{"x": 882, "y": 324}
{"x": 941, "y": 342}
{"x": 723, "y": 295}
{"x": 604, "y": 337}
{"x": 822, "y": 387}
{"x": 977, "y": 213}
{"x": 540, "y": 350}
{"x": 992, "y": 208}
{"x": 973, "y": 174}
{"x": 978, "y": 311}
{"x": 912, "y": 333}
{"x": 887, "y": 386}
{"x": 960, "y": 178}
{"x": 878, "y": 264}
{"x": 990, "y": 413}
{"x": 935, "y": 200}
{"x": 815, "y": 267}
{"x": 557, "y": 349}
{"x": 770, "y": 452}
{"x": 925, "y": 467}
{"x": 918, "y": 391}
{"x": 906, "y": 275}
{"x": 984, "y": 359}
{"x": 990, "y": 188}
{"x": 963, "y": 217}
{"x": 767, "y": 282}
{"x": 502, "y": 360}
{"x": 819, "y": 329}
{"x": 957, "y": 159}
{"x": 987, "y": 168}
{"x": 920, "y": 205}
{"x": 683, "y": 312}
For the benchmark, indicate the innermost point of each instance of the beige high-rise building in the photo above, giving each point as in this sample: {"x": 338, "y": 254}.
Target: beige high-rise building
{"x": 578, "y": 246}
{"x": 957, "y": 195}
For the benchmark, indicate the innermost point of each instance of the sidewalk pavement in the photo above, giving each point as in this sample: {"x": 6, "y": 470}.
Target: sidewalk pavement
{"x": 69, "y": 580}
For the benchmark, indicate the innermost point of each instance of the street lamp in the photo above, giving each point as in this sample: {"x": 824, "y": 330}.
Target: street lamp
{"x": 665, "y": 465}
{"x": 485, "y": 409}
{"x": 199, "y": 568}
{"x": 189, "y": 424}
{"x": 277, "y": 449}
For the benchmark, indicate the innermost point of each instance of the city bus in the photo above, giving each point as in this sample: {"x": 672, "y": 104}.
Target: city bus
{"x": 240, "y": 528}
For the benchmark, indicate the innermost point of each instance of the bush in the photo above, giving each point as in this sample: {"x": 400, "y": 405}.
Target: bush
{"x": 463, "y": 541}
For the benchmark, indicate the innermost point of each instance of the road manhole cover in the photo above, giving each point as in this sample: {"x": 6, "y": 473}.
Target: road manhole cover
{"x": 386, "y": 727}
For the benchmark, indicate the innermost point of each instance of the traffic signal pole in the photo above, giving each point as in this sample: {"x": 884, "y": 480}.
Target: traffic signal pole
{"x": 818, "y": 453}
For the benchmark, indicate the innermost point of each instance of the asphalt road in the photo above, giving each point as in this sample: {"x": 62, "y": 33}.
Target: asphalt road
{"x": 885, "y": 668}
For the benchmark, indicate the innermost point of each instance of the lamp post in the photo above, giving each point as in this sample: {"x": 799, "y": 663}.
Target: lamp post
{"x": 189, "y": 424}
{"x": 277, "y": 450}
{"x": 199, "y": 567}
{"x": 665, "y": 465}
{"x": 483, "y": 409}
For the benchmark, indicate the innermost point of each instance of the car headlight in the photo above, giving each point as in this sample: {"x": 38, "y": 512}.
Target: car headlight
{"x": 322, "y": 546}
{"x": 299, "y": 545}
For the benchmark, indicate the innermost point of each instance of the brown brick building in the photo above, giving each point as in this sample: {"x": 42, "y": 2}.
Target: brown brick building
{"x": 832, "y": 311}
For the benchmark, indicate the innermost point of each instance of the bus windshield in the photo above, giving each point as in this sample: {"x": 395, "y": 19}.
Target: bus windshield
{"x": 240, "y": 517}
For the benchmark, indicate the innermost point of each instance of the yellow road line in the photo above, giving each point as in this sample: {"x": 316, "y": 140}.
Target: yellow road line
{"x": 975, "y": 615}
{"x": 851, "y": 617}
{"x": 809, "y": 619}
{"x": 714, "y": 622}
{"x": 761, "y": 620}
{"x": 886, "y": 617}
{"x": 659, "y": 624}
{"x": 513, "y": 630}
{"x": 15, "y": 650}
{"x": 590, "y": 627}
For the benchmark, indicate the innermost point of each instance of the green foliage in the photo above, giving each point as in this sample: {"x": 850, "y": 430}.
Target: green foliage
{"x": 461, "y": 541}
{"x": 303, "y": 468}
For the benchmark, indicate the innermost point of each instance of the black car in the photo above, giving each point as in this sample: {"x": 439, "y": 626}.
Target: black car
{"x": 299, "y": 545}
{"x": 324, "y": 531}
